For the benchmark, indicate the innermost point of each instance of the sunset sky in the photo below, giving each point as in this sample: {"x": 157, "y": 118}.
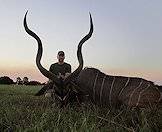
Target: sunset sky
{"x": 127, "y": 38}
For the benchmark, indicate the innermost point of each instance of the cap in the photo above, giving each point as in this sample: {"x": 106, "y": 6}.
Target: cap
{"x": 61, "y": 53}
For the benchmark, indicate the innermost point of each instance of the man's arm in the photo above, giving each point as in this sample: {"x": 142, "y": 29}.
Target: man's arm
{"x": 51, "y": 68}
{"x": 68, "y": 68}
{"x": 67, "y": 71}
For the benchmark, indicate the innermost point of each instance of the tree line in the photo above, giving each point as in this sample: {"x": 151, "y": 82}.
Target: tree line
{"x": 19, "y": 81}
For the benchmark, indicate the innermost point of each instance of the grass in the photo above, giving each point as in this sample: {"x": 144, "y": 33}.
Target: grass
{"x": 20, "y": 110}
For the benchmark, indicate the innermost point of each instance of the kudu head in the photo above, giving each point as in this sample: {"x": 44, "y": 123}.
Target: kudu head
{"x": 61, "y": 86}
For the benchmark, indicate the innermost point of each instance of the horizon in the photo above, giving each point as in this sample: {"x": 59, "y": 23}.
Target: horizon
{"x": 126, "y": 40}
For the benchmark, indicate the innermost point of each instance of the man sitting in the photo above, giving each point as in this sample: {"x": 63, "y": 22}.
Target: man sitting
{"x": 60, "y": 68}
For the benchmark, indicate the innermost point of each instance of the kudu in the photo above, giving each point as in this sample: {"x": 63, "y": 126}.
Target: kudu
{"x": 101, "y": 89}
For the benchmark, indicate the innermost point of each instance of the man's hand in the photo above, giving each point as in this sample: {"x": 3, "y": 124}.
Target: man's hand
{"x": 67, "y": 74}
{"x": 62, "y": 76}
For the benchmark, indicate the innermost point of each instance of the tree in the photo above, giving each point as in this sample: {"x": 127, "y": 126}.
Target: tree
{"x": 19, "y": 81}
{"x": 25, "y": 80}
{"x": 6, "y": 80}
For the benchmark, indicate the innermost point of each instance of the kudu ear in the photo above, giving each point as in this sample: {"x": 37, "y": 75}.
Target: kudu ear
{"x": 79, "y": 54}
{"x": 44, "y": 88}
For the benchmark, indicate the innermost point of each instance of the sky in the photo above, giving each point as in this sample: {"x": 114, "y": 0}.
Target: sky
{"x": 127, "y": 38}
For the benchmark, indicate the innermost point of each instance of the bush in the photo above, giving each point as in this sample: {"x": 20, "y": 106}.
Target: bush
{"x": 6, "y": 80}
{"x": 33, "y": 83}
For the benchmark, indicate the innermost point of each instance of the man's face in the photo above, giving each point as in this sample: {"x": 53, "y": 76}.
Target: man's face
{"x": 60, "y": 58}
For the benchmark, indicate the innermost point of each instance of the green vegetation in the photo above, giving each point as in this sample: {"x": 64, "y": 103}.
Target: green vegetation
{"x": 20, "y": 110}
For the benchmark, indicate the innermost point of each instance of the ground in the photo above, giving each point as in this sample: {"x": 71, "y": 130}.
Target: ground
{"x": 20, "y": 110}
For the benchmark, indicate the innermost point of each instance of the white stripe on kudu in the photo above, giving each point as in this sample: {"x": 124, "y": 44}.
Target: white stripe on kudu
{"x": 111, "y": 90}
{"x": 102, "y": 88}
{"x": 95, "y": 85}
{"x": 124, "y": 86}
{"x": 134, "y": 91}
{"x": 139, "y": 97}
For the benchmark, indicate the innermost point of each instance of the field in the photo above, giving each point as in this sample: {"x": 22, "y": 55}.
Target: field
{"x": 20, "y": 110}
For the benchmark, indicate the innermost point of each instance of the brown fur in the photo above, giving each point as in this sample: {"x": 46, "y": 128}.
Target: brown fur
{"x": 137, "y": 93}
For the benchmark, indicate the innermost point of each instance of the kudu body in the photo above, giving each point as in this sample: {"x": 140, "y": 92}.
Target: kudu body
{"x": 102, "y": 89}
{"x": 107, "y": 90}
